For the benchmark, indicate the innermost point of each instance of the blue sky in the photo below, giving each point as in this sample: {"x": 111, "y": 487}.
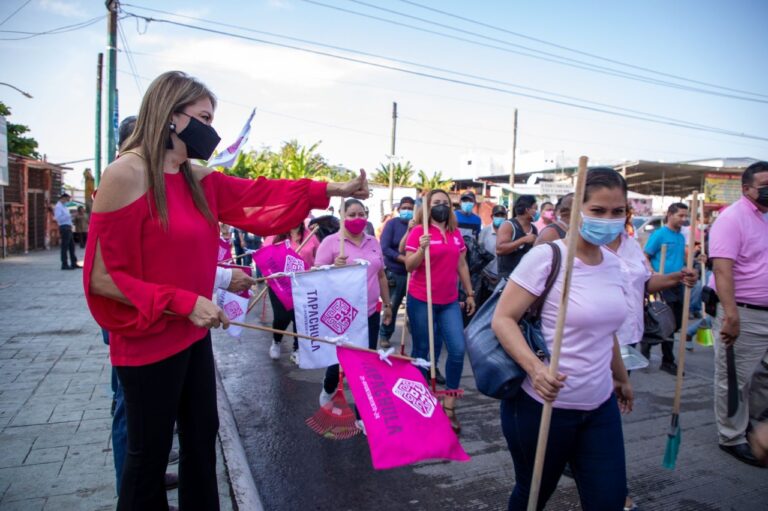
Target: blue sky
{"x": 348, "y": 105}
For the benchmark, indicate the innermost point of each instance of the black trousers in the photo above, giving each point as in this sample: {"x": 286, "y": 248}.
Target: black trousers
{"x": 281, "y": 318}
{"x": 331, "y": 380}
{"x": 67, "y": 246}
{"x": 179, "y": 389}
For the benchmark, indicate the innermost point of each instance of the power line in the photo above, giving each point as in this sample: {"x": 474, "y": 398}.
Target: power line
{"x": 53, "y": 31}
{"x": 580, "y": 52}
{"x": 129, "y": 57}
{"x": 426, "y": 66}
{"x": 14, "y": 12}
{"x": 538, "y": 54}
{"x": 657, "y": 119}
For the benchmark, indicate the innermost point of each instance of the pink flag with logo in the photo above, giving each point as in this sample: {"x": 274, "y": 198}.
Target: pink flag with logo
{"x": 276, "y": 259}
{"x": 403, "y": 420}
{"x": 248, "y": 271}
{"x": 225, "y": 251}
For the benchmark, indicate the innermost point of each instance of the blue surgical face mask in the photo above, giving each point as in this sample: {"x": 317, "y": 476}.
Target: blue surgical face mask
{"x": 406, "y": 214}
{"x": 467, "y": 207}
{"x": 536, "y": 217}
{"x": 497, "y": 221}
{"x": 601, "y": 231}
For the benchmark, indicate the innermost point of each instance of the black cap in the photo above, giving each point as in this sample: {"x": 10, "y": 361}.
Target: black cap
{"x": 407, "y": 200}
{"x": 65, "y": 194}
{"x": 468, "y": 195}
{"x": 498, "y": 209}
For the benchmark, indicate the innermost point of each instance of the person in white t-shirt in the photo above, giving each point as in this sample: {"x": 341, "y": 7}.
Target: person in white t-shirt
{"x": 592, "y": 385}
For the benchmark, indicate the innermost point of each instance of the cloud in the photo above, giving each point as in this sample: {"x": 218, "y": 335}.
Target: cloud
{"x": 256, "y": 65}
{"x": 63, "y": 8}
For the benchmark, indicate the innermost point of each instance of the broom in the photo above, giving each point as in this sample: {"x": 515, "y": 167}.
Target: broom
{"x": 704, "y": 336}
{"x": 335, "y": 420}
{"x": 404, "y": 331}
{"x": 674, "y": 436}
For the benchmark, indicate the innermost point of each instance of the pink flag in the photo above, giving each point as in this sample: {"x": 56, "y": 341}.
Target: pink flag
{"x": 403, "y": 420}
{"x": 225, "y": 251}
{"x": 275, "y": 259}
{"x": 248, "y": 271}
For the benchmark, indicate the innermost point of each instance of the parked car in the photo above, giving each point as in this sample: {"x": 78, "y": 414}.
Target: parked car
{"x": 645, "y": 225}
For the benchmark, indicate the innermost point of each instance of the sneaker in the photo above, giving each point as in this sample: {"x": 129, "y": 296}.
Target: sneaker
{"x": 384, "y": 344}
{"x": 274, "y": 351}
{"x": 689, "y": 345}
{"x": 295, "y": 357}
{"x": 325, "y": 398}
{"x": 361, "y": 426}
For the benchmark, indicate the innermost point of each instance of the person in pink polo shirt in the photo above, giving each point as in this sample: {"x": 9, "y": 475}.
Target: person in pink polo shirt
{"x": 446, "y": 248}
{"x": 357, "y": 245}
{"x": 592, "y": 385}
{"x": 738, "y": 247}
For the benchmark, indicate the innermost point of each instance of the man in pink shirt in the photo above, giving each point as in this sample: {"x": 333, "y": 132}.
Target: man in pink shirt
{"x": 738, "y": 246}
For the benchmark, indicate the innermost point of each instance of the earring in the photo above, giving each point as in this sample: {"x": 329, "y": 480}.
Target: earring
{"x": 172, "y": 126}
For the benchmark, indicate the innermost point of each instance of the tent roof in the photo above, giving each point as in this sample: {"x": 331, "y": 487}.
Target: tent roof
{"x": 676, "y": 179}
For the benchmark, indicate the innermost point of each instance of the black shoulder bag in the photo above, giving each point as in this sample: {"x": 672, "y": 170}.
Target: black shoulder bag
{"x": 497, "y": 375}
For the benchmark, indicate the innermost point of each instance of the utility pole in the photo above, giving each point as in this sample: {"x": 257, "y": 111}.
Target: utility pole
{"x": 514, "y": 154}
{"x": 112, "y": 7}
{"x": 392, "y": 158}
{"x": 97, "y": 149}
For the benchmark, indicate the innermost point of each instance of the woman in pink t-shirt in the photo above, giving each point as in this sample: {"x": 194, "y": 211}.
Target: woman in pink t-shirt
{"x": 281, "y": 317}
{"x": 357, "y": 245}
{"x": 592, "y": 385}
{"x": 448, "y": 263}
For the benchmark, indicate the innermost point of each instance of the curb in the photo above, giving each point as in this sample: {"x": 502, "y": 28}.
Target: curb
{"x": 244, "y": 493}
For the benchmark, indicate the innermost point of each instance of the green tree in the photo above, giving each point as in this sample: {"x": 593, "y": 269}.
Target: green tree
{"x": 17, "y": 143}
{"x": 403, "y": 174}
{"x": 435, "y": 182}
{"x": 292, "y": 161}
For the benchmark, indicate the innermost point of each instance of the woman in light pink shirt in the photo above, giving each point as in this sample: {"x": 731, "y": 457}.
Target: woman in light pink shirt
{"x": 357, "y": 245}
{"x": 586, "y": 424}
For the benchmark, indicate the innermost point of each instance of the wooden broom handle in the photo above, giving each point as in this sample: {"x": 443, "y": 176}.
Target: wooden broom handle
{"x": 342, "y": 230}
{"x": 663, "y": 260}
{"x": 546, "y": 413}
{"x": 686, "y": 307}
{"x": 428, "y": 274}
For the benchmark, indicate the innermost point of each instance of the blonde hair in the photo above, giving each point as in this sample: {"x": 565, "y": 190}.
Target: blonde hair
{"x": 169, "y": 93}
{"x": 452, "y": 223}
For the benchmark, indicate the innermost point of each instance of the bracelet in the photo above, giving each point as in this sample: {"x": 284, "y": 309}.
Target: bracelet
{"x": 386, "y": 305}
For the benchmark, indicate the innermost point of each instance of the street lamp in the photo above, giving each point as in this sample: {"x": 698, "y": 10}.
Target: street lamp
{"x": 27, "y": 94}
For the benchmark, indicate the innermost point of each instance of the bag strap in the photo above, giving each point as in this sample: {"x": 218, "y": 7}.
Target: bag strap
{"x": 535, "y": 310}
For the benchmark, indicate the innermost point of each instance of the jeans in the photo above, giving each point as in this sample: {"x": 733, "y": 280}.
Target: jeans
{"x": 590, "y": 441}
{"x": 396, "y": 294}
{"x": 67, "y": 246}
{"x": 180, "y": 389}
{"x": 119, "y": 433}
{"x": 331, "y": 380}
{"x": 448, "y": 327}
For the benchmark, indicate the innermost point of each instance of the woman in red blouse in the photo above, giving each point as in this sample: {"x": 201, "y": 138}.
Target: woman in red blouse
{"x": 152, "y": 251}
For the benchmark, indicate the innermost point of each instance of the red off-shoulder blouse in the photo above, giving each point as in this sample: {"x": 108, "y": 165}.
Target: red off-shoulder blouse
{"x": 159, "y": 270}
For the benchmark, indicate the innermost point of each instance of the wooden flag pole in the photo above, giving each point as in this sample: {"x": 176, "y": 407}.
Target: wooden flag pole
{"x": 264, "y": 291}
{"x": 428, "y": 273}
{"x": 546, "y": 413}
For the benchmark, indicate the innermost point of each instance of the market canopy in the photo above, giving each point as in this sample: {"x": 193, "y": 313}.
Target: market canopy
{"x": 677, "y": 179}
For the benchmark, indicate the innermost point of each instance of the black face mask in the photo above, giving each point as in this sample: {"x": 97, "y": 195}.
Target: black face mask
{"x": 440, "y": 213}
{"x": 762, "y": 196}
{"x": 199, "y": 138}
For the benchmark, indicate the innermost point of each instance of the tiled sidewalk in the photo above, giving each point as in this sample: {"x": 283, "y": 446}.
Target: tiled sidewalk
{"x": 55, "y": 396}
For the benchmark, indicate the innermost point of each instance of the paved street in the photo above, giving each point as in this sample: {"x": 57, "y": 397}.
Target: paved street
{"x": 55, "y": 424}
{"x": 296, "y": 469}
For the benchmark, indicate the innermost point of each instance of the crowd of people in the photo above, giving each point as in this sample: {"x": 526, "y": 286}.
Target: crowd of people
{"x": 150, "y": 266}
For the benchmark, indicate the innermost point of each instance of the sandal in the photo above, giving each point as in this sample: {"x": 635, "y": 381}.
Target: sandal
{"x": 450, "y": 412}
